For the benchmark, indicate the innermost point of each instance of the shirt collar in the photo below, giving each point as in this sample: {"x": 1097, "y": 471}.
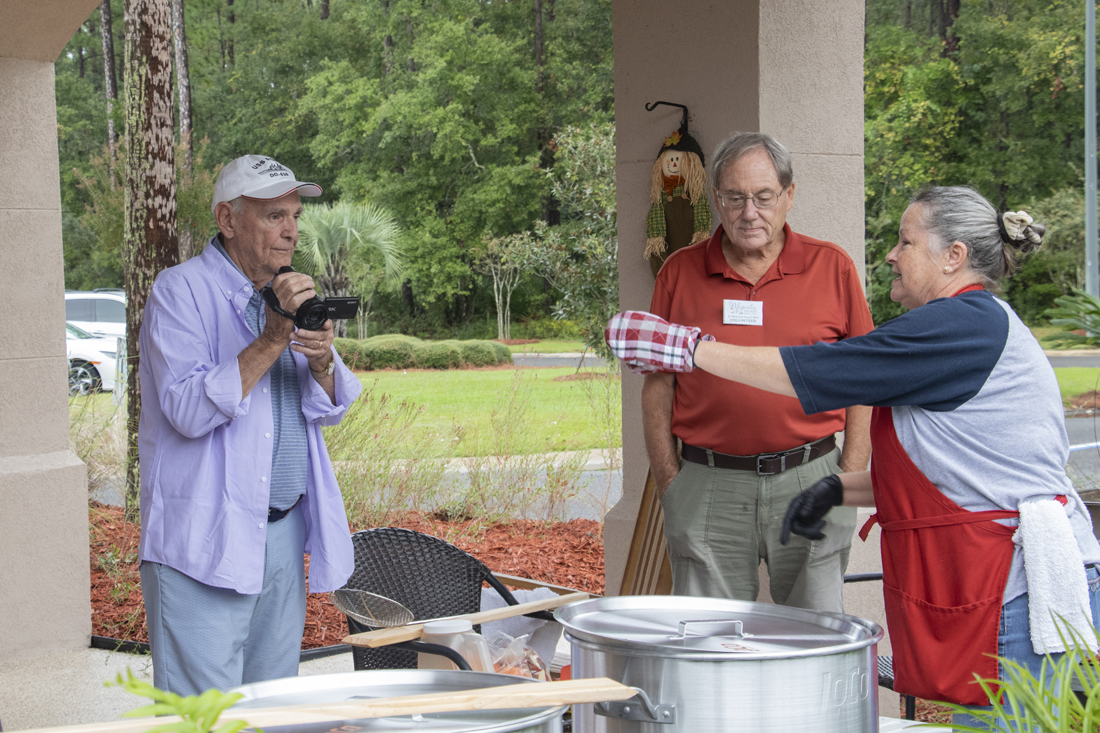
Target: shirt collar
{"x": 792, "y": 258}
{"x": 228, "y": 276}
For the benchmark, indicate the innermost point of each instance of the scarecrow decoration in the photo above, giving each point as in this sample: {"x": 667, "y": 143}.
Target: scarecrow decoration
{"x": 679, "y": 212}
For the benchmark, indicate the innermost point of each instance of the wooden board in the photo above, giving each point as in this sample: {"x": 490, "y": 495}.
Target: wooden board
{"x": 648, "y": 570}
{"x": 398, "y": 634}
{"x": 542, "y": 694}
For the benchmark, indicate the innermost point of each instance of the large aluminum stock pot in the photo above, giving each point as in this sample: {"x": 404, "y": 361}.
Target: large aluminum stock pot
{"x": 333, "y": 688}
{"x": 709, "y": 664}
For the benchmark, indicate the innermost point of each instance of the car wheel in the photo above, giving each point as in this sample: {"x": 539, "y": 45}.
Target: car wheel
{"x": 83, "y": 378}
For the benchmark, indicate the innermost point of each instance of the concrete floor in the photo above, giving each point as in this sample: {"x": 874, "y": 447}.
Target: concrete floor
{"x": 67, "y": 688}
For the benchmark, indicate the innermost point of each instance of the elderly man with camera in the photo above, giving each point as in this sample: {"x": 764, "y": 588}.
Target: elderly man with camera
{"x": 236, "y": 484}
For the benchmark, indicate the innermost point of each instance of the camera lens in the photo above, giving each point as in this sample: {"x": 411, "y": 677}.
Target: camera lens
{"x": 311, "y": 315}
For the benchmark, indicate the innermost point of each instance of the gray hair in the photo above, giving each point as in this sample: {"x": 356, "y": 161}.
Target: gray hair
{"x": 961, "y": 214}
{"x": 237, "y": 205}
{"x": 739, "y": 144}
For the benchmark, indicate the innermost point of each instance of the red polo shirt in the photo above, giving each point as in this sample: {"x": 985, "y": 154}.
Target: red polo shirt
{"x": 811, "y": 293}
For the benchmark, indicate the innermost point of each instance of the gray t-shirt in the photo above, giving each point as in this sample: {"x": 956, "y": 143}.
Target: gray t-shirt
{"x": 976, "y": 405}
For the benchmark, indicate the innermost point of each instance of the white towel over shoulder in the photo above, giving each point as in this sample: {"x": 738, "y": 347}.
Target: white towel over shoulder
{"x": 1058, "y": 593}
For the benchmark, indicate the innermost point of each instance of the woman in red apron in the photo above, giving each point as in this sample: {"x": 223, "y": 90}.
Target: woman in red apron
{"x": 968, "y": 424}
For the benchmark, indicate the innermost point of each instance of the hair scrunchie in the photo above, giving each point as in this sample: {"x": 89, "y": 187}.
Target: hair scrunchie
{"x": 1015, "y": 226}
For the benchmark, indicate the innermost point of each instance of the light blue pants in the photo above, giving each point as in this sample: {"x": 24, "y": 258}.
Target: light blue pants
{"x": 1014, "y": 640}
{"x": 204, "y": 637}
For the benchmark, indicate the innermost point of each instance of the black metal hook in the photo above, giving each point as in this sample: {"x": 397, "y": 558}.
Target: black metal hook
{"x": 684, "y": 120}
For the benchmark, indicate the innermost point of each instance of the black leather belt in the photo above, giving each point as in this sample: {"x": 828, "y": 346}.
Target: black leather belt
{"x": 274, "y": 515}
{"x": 765, "y": 464}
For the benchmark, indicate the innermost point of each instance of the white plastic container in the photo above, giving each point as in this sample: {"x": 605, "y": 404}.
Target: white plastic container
{"x": 458, "y": 634}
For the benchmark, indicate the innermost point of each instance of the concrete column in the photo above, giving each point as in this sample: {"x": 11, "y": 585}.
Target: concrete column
{"x": 793, "y": 69}
{"x": 701, "y": 54}
{"x": 44, "y": 576}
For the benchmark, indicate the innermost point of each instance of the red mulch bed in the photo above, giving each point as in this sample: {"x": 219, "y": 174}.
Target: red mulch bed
{"x": 561, "y": 553}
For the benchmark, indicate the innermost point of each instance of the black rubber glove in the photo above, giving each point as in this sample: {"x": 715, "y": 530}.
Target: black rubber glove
{"x": 806, "y": 512}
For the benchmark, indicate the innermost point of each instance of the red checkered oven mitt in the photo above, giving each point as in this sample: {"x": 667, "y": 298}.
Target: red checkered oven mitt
{"x": 647, "y": 343}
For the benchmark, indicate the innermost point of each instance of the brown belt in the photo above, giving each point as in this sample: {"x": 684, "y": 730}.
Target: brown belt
{"x": 765, "y": 464}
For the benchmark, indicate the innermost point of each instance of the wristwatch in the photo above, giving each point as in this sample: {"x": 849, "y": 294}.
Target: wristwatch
{"x": 327, "y": 371}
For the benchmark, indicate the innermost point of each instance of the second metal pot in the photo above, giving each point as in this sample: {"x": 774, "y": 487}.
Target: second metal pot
{"x": 333, "y": 688}
{"x": 707, "y": 664}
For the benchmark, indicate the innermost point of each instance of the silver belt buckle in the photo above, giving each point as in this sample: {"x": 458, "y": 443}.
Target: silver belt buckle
{"x": 767, "y": 457}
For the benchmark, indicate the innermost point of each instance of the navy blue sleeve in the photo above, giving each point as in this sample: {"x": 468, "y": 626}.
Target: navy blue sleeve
{"x": 936, "y": 357}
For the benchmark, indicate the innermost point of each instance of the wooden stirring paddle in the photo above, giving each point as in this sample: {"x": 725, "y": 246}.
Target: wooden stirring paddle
{"x": 397, "y": 634}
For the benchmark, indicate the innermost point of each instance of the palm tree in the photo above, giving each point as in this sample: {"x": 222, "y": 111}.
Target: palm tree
{"x": 335, "y": 246}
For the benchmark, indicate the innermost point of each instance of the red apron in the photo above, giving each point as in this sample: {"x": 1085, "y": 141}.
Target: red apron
{"x": 944, "y": 571}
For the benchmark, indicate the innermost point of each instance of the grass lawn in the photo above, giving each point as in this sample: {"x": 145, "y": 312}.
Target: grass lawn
{"x": 1044, "y": 333}
{"x": 1076, "y": 380}
{"x": 524, "y": 407}
{"x": 549, "y": 346}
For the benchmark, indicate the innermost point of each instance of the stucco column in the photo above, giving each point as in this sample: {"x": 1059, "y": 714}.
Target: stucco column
{"x": 44, "y": 577}
{"x": 793, "y": 69}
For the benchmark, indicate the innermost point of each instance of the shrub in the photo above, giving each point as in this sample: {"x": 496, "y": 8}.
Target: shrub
{"x": 352, "y": 353}
{"x": 479, "y": 353}
{"x": 397, "y": 351}
{"x": 1077, "y": 312}
{"x": 391, "y": 353}
{"x": 440, "y": 355}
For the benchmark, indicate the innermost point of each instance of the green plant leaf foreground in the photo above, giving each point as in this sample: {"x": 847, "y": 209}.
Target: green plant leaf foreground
{"x": 199, "y": 714}
{"x": 1043, "y": 704}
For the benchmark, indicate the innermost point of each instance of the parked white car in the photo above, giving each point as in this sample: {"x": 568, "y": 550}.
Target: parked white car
{"x": 100, "y": 312}
{"x": 91, "y": 361}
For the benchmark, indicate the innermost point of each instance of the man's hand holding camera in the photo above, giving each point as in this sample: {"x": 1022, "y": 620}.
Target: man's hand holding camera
{"x": 293, "y": 289}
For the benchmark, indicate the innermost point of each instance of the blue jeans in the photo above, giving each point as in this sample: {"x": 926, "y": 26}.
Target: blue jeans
{"x": 1014, "y": 641}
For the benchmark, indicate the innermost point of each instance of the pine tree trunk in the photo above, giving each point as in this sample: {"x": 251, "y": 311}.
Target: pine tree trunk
{"x": 951, "y": 15}
{"x": 183, "y": 81}
{"x": 183, "y": 87}
{"x": 324, "y": 9}
{"x": 149, "y": 239}
{"x": 538, "y": 46}
{"x": 231, "y": 18}
{"x": 110, "y": 87}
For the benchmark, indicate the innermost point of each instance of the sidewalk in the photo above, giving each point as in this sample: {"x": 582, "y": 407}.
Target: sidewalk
{"x": 67, "y": 688}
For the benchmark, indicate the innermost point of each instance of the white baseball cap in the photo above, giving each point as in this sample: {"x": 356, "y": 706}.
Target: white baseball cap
{"x": 258, "y": 177}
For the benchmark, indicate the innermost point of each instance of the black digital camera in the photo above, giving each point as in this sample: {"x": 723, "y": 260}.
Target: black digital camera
{"x": 312, "y": 314}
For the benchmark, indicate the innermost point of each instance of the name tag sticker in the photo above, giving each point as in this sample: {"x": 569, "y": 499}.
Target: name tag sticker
{"x": 743, "y": 312}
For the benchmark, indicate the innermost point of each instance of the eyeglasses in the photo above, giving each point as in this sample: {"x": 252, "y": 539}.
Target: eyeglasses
{"x": 736, "y": 201}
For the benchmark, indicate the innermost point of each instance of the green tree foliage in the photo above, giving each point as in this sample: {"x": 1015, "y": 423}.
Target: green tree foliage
{"x": 439, "y": 110}
{"x": 445, "y": 138}
{"x": 504, "y": 260}
{"x": 339, "y": 246}
{"x": 580, "y": 256}
{"x": 439, "y": 119}
{"x": 992, "y": 99}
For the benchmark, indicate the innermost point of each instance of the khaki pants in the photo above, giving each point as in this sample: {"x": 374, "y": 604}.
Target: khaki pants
{"x": 721, "y": 523}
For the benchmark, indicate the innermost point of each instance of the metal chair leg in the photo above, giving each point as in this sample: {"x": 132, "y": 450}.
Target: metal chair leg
{"x": 910, "y": 707}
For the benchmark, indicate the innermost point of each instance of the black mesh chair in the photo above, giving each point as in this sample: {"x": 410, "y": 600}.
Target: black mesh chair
{"x": 886, "y": 664}
{"x": 426, "y": 575}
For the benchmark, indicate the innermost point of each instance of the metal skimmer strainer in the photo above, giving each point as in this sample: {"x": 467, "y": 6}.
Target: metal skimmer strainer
{"x": 370, "y": 609}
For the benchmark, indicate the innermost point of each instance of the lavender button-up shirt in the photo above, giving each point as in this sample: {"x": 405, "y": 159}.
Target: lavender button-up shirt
{"x": 206, "y": 450}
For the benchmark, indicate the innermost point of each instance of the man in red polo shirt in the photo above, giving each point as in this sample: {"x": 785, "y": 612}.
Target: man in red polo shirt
{"x": 746, "y": 453}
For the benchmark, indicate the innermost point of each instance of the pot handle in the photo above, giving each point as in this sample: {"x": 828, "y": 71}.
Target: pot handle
{"x": 711, "y": 627}
{"x": 637, "y": 708}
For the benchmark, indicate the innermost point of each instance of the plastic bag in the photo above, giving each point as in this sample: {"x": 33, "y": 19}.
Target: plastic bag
{"x": 513, "y": 656}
